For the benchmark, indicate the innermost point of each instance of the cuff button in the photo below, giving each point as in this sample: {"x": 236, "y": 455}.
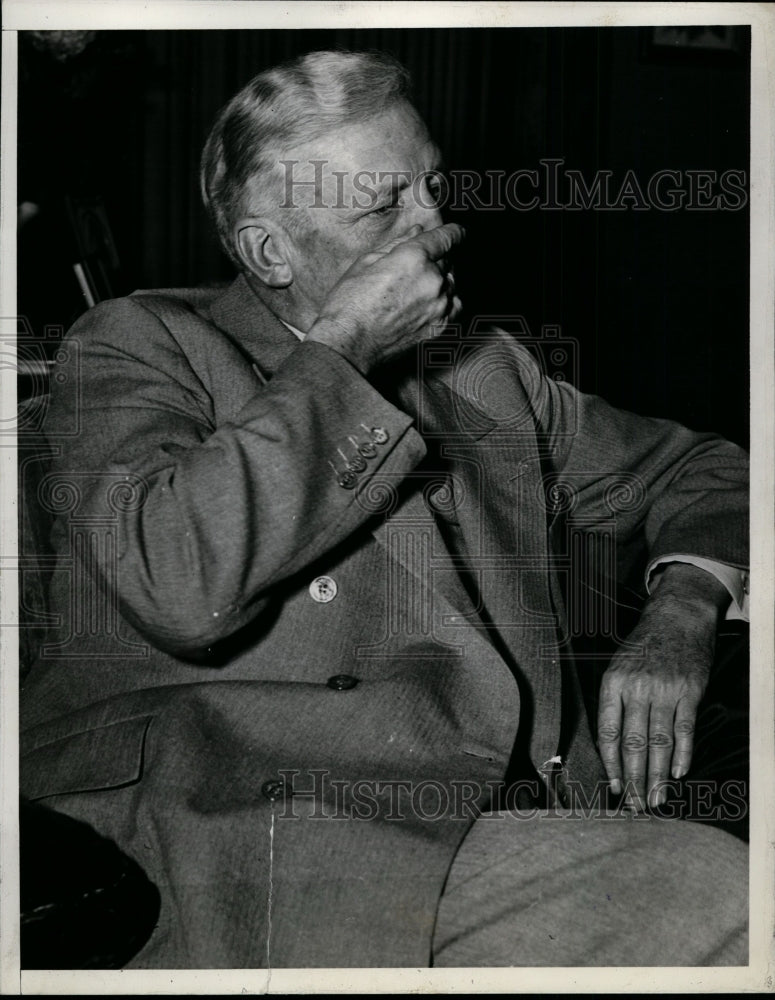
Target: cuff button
{"x": 348, "y": 479}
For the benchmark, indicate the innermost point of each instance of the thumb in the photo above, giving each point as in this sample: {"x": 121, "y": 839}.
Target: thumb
{"x": 438, "y": 242}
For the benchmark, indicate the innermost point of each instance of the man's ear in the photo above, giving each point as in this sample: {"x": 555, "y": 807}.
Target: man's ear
{"x": 262, "y": 249}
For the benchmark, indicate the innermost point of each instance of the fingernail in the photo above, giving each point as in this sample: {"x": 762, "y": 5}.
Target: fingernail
{"x": 616, "y": 787}
{"x": 678, "y": 772}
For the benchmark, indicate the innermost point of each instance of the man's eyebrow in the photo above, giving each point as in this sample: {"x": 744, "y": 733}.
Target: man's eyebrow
{"x": 392, "y": 181}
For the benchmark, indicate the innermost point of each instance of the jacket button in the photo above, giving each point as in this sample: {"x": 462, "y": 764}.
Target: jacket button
{"x": 348, "y": 479}
{"x": 342, "y": 682}
{"x": 273, "y": 790}
{"x": 323, "y": 589}
{"x": 379, "y": 435}
{"x": 367, "y": 449}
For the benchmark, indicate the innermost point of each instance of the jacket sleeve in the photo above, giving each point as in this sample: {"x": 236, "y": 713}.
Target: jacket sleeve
{"x": 218, "y": 514}
{"x": 670, "y": 489}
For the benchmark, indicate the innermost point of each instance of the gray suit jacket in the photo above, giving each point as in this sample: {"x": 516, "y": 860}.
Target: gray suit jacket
{"x": 304, "y": 619}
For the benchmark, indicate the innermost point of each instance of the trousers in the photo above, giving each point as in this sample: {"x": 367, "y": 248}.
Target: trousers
{"x": 559, "y": 889}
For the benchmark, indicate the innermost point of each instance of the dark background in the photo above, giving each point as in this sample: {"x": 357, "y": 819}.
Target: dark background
{"x": 658, "y": 301}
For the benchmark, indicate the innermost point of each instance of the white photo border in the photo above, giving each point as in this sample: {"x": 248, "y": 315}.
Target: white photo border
{"x": 247, "y": 14}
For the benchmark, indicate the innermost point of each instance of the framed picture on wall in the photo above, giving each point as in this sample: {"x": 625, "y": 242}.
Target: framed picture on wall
{"x": 712, "y": 43}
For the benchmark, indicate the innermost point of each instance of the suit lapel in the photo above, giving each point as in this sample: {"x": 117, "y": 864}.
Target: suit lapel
{"x": 432, "y": 499}
{"x": 503, "y": 529}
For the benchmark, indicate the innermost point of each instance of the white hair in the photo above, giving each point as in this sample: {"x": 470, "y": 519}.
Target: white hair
{"x": 295, "y": 102}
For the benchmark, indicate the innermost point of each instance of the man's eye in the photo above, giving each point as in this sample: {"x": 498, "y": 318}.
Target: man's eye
{"x": 385, "y": 209}
{"x": 435, "y": 188}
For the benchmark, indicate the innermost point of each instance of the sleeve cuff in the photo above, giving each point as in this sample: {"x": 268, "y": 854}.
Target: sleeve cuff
{"x": 735, "y": 580}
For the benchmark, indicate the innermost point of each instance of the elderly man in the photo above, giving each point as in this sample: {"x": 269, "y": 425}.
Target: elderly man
{"x": 324, "y": 696}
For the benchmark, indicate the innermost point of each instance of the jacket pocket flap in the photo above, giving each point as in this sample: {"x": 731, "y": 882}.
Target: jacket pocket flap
{"x": 107, "y": 757}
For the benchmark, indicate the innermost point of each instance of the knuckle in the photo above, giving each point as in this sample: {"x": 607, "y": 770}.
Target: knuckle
{"x": 609, "y": 689}
{"x": 684, "y": 727}
{"x": 660, "y": 740}
{"x": 634, "y": 742}
{"x": 612, "y": 682}
{"x": 608, "y": 734}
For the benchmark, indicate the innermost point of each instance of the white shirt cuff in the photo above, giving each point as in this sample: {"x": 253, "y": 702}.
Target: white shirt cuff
{"x": 735, "y": 580}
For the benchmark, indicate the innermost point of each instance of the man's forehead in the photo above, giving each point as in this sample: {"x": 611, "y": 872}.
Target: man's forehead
{"x": 389, "y": 146}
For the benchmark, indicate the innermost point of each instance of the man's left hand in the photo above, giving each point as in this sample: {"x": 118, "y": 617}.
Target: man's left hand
{"x": 649, "y": 699}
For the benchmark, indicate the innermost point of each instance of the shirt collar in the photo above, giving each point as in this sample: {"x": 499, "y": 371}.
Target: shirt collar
{"x": 293, "y": 330}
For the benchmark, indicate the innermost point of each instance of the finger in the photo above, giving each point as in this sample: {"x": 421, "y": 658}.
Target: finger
{"x": 635, "y": 749}
{"x": 660, "y": 752}
{"x": 609, "y": 731}
{"x": 683, "y": 729}
{"x": 434, "y": 330}
{"x": 447, "y": 289}
{"x": 410, "y": 234}
{"x": 451, "y": 311}
{"x": 439, "y": 241}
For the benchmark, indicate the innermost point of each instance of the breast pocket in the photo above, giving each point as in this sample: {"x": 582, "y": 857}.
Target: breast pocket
{"x": 104, "y": 757}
